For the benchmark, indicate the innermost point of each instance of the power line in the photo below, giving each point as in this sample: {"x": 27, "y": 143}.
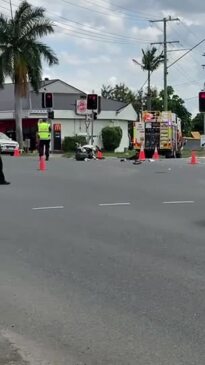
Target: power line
{"x": 92, "y": 33}
{"x": 129, "y": 15}
{"x": 196, "y": 45}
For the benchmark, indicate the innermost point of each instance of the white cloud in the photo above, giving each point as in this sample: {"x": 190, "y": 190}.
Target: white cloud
{"x": 97, "y": 48}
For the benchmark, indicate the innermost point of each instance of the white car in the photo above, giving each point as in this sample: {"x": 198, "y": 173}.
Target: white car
{"x": 7, "y": 145}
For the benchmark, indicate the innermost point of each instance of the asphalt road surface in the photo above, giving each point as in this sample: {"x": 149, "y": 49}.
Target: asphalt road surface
{"x": 102, "y": 262}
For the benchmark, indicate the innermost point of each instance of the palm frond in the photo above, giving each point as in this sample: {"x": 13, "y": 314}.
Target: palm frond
{"x": 37, "y": 29}
{"x": 46, "y": 52}
{"x": 2, "y": 77}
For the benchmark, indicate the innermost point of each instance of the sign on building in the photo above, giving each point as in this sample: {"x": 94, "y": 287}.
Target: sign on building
{"x": 81, "y": 107}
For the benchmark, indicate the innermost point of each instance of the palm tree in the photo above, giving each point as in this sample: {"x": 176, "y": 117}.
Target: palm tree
{"x": 21, "y": 53}
{"x": 150, "y": 62}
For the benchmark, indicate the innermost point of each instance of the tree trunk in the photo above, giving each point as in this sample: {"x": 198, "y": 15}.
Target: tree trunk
{"x": 18, "y": 116}
{"x": 149, "y": 102}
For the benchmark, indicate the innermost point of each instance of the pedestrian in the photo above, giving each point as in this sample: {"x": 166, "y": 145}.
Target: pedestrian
{"x": 2, "y": 177}
{"x": 44, "y": 137}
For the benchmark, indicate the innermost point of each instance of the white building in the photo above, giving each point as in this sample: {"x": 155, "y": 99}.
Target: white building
{"x": 113, "y": 113}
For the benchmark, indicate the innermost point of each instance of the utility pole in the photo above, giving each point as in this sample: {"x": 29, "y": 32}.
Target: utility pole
{"x": 11, "y": 10}
{"x": 165, "y": 20}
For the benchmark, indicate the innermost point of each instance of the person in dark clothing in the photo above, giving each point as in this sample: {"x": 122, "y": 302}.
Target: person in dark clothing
{"x": 2, "y": 177}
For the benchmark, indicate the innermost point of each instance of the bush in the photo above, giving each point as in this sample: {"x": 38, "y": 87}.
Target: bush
{"x": 69, "y": 143}
{"x": 111, "y": 137}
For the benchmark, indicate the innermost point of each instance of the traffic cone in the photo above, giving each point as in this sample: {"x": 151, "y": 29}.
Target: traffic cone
{"x": 42, "y": 164}
{"x": 99, "y": 155}
{"x": 156, "y": 154}
{"x": 194, "y": 159}
{"x": 16, "y": 152}
{"x": 142, "y": 154}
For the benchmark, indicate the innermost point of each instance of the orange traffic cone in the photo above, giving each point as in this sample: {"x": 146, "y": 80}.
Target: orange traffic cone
{"x": 99, "y": 155}
{"x": 42, "y": 164}
{"x": 16, "y": 152}
{"x": 156, "y": 154}
{"x": 142, "y": 154}
{"x": 194, "y": 159}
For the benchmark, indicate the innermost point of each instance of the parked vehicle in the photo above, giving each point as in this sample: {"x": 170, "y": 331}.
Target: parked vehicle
{"x": 7, "y": 144}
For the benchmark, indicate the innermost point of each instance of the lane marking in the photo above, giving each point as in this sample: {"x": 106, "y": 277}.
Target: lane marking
{"x": 113, "y": 204}
{"x": 180, "y": 202}
{"x": 46, "y": 208}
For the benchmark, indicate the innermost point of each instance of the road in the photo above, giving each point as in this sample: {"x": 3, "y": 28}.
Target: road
{"x": 92, "y": 284}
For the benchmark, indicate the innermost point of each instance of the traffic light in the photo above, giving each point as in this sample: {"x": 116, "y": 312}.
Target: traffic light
{"x": 95, "y": 115}
{"x": 202, "y": 102}
{"x": 49, "y": 100}
{"x": 51, "y": 115}
{"x": 92, "y": 101}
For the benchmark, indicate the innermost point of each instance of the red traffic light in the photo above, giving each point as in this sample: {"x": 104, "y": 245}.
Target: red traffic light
{"x": 49, "y": 100}
{"x": 202, "y": 101}
{"x": 92, "y": 101}
{"x": 202, "y": 95}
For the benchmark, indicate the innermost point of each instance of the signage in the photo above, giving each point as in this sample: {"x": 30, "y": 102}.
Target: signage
{"x": 150, "y": 116}
{"x": 81, "y": 107}
{"x": 57, "y": 137}
{"x": 57, "y": 127}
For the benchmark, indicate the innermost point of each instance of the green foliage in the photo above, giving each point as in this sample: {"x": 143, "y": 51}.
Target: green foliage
{"x": 176, "y": 105}
{"x": 22, "y": 53}
{"x": 111, "y": 137}
{"x": 121, "y": 92}
{"x": 198, "y": 123}
{"x": 70, "y": 143}
{"x": 150, "y": 60}
{"x": 118, "y": 92}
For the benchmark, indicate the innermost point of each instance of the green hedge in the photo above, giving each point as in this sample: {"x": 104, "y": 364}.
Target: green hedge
{"x": 111, "y": 137}
{"x": 69, "y": 143}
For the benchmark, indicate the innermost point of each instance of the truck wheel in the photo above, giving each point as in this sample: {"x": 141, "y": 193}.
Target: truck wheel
{"x": 168, "y": 155}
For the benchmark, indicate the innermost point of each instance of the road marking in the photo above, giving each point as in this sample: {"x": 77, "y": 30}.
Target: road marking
{"x": 113, "y": 204}
{"x": 180, "y": 202}
{"x": 46, "y": 208}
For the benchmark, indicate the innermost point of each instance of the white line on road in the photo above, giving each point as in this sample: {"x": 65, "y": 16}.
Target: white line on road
{"x": 46, "y": 208}
{"x": 113, "y": 204}
{"x": 180, "y": 202}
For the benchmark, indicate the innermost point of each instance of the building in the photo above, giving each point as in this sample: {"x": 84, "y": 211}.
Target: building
{"x": 66, "y": 120}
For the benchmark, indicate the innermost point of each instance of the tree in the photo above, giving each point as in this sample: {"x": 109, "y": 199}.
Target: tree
{"x": 198, "y": 123}
{"x": 176, "y": 105}
{"x": 21, "y": 53}
{"x": 121, "y": 92}
{"x": 150, "y": 62}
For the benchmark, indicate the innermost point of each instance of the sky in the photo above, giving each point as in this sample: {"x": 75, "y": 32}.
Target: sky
{"x": 96, "y": 40}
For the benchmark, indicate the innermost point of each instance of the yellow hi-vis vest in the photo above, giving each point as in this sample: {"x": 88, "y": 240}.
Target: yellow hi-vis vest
{"x": 44, "y": 130}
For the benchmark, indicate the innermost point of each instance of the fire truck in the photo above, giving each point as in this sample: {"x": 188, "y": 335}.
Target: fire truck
{"x": 161, "y": 130}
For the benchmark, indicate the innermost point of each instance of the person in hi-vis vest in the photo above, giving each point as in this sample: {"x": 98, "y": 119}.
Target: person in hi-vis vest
{"x": 44, "y": 137}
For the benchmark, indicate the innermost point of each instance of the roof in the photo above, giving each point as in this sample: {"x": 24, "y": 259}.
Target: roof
{"x": 65, "y": 100}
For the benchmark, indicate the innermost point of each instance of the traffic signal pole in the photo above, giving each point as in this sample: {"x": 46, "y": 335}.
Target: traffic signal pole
{"x": 92, "y": 127}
